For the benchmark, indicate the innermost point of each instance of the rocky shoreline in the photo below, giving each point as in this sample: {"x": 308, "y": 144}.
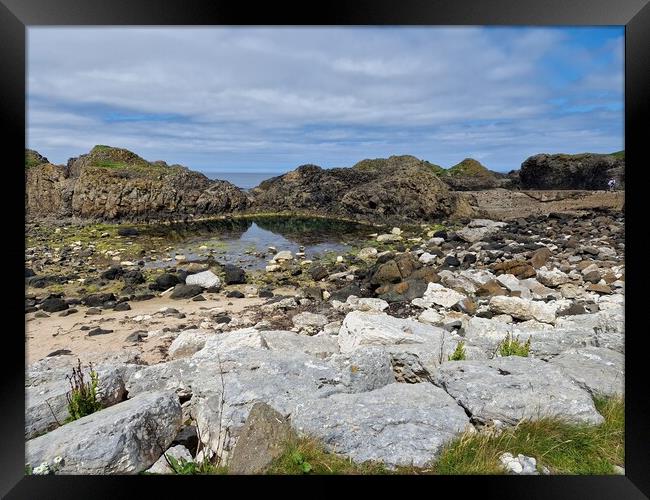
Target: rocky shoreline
{"x": 111, "y": 184}
{"x": 353, "y": 350}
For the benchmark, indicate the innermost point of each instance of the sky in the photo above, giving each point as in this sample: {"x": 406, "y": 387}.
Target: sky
{"x": 241, "y": 99}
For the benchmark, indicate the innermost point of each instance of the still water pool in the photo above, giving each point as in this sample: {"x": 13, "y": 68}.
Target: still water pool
{"x": 246, "y": 242}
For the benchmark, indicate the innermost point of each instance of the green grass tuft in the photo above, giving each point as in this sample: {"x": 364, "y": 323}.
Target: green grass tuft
{"x": 459, "y": 352}
{"x": 512, "y": 347}
{"x": 562, "y": 447}
{"x": 82, "y": 397}
{"x": 308, "y": 456}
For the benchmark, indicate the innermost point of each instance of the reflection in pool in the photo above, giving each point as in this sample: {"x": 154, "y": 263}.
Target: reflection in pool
{"x": 236, "y": 241}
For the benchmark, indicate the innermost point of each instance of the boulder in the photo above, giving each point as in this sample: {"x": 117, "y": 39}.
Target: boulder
{"x": 523, "y": 309}
{"x": 165, "y": 281}
{"x": 54, "y": 304}
{"x": 46, "y": 404}
{"x": 309, "y": 322}
{"x": 515, "y": 388}
{"x": 187, "y": 343}
{"x": 97, "y": 299}
{"x": 398, "y": 424}
{"x": 478, "y": 229}
{"x": 369, "y": 328}
{"x": 283, "y": 255}
{"x": 396, "y": 335}
{"x": 366, "y": 304}
{"x": 234, "y": 275}
{"x": 367, "y": 253}
{"x": 124, "y": 439}
{"x": 262, "y": 439}
{"x": 185, "y": 291}
{"x": 519, "y": 268}
{"x": 439, "y": 295}
{"x": 596, "y": 369}
{"x": 205, "y": 279}
{"x": 552, "y": 278}
{"x": 539, "y": 257}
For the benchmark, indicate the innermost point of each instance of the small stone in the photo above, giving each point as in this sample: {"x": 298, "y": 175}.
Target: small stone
{"x": 598, "y": 288}
{"x": 98, "y": 331}
{"x": 283, "y": 255}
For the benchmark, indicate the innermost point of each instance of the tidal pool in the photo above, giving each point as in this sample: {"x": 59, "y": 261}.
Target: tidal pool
{"x": 245, "y": 242}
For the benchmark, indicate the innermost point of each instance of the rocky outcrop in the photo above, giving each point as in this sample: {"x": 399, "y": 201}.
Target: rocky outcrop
{"x": 34, "y": 158}
{"x": 48, "y": 191}
{"x": 563, "y": 171}
{"x": 470, "y": 175}
{"x": 398, "y": 188}
{"x": 112, "y": 184}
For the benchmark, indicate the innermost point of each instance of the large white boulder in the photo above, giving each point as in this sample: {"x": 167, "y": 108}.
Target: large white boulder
{"x": 523, "y": 309}
{"x": 206, "y": 279}
{"x": 124, "y": 439}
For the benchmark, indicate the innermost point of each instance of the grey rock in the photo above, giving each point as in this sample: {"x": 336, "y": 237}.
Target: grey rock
{"x": 365, "y": 369}
{"x": 162, "y": 466}
{"x": 309, "y": 322}
{"x": 279, "y": 378}
{"x": 320, "y": 346}
{"x": 398, "y": 424}
{"x": 46, "y": 404}
{"x": 519, "y": 465}
{"x": 206, "y": 279}
{"x": 596, "y": 369}
{"x": 431, "y": 344}
{"x": 262, "y": 439}
{"x": 185, "y": 291}
{"x": 408, "y": 368}
{"x": 546, "y": 341}
{"x": 523, "y": 309}
{"x": 479, "y": 229}
{"x": 439, "y": 295}
{"x": 124, "y": 439}
{"x": 514, "y": 388}
{"x": 187, "y": 343}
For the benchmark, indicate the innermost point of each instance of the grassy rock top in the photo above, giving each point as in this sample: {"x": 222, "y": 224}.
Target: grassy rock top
{"x": 391, "y": 162}
{"x": 34, "y": 158}
{"x": 469, "y": 167}
{"x": 111, "y": 158}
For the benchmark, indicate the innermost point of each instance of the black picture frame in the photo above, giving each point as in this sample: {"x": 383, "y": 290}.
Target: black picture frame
{"x": 17, "y": 15}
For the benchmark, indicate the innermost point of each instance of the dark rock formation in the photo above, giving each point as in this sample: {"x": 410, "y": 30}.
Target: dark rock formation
{"x": 398, "y": 188}
{"x": 111, "y": 183}
{"x": 470, "y": 175}
{"x": 562, "y": 171}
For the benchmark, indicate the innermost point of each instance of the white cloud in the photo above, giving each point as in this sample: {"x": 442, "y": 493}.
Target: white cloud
{"x": 268, "y": 96}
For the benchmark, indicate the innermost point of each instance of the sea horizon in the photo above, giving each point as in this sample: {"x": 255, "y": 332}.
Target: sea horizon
{"x": 243, "y": 180}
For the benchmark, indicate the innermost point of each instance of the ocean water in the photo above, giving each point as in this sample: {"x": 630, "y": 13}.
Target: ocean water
{"x": 243, "y": 180}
